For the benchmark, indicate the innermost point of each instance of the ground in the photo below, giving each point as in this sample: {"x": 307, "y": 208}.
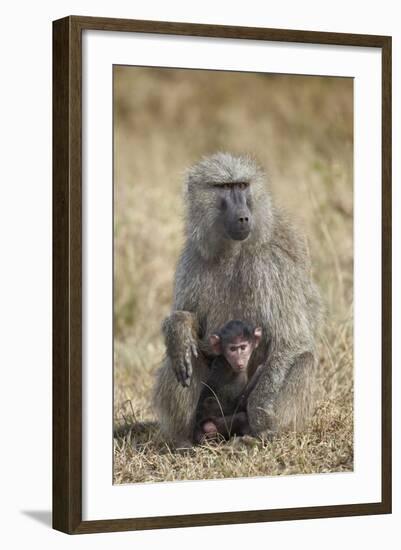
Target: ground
{"x": 300, "y": 129}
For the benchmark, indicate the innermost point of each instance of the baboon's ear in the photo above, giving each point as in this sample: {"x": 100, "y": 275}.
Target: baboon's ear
{"x": 215, "y": 342}
{"x": 257, "y": 334}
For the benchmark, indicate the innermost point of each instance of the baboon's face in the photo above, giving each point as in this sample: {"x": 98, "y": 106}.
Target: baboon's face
{"x": 238, "y": 353}
{"x": 235, "y": 209}
{"x": 226, "y": 201}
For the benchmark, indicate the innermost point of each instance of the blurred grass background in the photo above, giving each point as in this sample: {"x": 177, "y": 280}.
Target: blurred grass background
{"x": 300, "y": 129}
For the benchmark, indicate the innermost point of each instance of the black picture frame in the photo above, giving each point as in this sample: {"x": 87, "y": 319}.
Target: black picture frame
{"x": 67, "y": 273}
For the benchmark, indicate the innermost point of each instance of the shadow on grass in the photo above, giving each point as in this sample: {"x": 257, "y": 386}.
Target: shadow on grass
{"x": 137, "y": 430}
{"x": 140, "y": 436}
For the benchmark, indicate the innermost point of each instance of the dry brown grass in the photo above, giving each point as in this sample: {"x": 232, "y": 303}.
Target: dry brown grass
{"x": 300, "y": 129}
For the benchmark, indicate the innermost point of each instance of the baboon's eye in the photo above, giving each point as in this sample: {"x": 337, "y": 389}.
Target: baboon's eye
{"x": 224, "y": 185}
{"x": 243, "y": 185}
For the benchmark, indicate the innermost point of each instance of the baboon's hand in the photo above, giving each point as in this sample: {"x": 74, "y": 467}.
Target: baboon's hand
{"x": 179, "y": 331}
{"x": 182, "y": 360}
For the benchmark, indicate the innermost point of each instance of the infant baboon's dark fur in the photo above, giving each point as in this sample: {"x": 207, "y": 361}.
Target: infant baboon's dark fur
{"x": 242, "y": 259}
{"x": 221, "y": 409}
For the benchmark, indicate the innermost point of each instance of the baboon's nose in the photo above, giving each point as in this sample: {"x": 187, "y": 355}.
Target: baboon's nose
{"x": 240, "y": 225}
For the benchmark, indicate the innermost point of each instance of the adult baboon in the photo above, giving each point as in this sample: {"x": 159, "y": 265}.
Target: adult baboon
{"x": 242, "y": 259}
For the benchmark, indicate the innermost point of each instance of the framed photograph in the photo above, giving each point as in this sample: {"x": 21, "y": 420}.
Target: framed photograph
{"x": 221, "y": 274}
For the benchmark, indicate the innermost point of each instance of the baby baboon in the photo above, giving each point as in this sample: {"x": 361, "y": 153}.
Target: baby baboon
{"x": 222, "y": 403}
{"x": 242, "y": 259}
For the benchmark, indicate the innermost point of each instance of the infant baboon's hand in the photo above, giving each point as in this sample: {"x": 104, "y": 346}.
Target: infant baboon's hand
{"x": 181, "y": 344}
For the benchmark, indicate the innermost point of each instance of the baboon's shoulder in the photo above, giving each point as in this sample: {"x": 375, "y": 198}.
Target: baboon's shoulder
{"x": 290, "y": 240}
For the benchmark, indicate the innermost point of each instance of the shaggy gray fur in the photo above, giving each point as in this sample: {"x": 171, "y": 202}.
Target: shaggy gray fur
{"x": 264, "y": 280}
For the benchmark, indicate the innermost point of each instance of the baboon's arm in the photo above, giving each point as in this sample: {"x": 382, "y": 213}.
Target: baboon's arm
{"x": 180, "y": 331}
{"x": 181, "y": 327}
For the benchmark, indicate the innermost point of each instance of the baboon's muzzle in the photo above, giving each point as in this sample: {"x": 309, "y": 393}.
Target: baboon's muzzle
{"x": 237, "y": 216}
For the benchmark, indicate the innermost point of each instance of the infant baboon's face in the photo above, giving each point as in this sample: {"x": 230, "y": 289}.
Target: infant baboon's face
{"x": 238, "y": 353}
